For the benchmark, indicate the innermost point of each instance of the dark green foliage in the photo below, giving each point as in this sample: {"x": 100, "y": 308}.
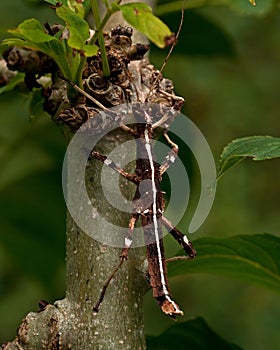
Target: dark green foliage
{"x": 253, "y": 258}
{"x": 194, "y": 335}
{"x": 248, "y": 7}
{"x": 255, "y": 147}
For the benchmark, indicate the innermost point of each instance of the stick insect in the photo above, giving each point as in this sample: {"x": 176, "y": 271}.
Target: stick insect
{"x": 148, "y": 207}
{"x": 148, "y": 202}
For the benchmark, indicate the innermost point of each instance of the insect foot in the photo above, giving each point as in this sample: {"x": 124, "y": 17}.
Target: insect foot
{"x": 169, "y": 307}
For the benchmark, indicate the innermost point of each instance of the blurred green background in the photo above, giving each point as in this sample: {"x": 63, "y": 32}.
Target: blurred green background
{"x": 227, "y": 67}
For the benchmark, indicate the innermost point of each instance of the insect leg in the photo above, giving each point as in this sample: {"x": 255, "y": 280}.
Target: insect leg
{"x": 128, "y": 129}
{"x": 106, "y": 285}
{"x": 128, "y": 238}
{"x": 172, "y": 155}
{"x": 180, "y": 237}
{"x": 123, "y": 257}
{"x": 112, "y": 165}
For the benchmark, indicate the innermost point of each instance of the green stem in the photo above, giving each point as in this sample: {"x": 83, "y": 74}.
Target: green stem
{"x": 109, "y": 13}
{"x": 107, "y": 4}
{"x": 96, "y": 15}
{"x": 79, "y": 73}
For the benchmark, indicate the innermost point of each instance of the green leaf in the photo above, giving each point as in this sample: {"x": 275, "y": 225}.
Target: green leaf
{"x": 32, "y": 30}
{"x": 76, "y": 7}
{"x": 140, "y": 16}
{"x": 194, "y": 334}
{"x": 253, "y": 258}
{"x": 90, "y": 50}
{"x": 255, "y": 147}
{"x": 30, "y": 34}
{"x": 74, "y": 23}
{"x": 16, "y": 80}
{"x": 79, "y": 30}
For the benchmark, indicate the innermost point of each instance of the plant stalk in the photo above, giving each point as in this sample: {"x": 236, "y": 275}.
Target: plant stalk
{"x": 96, "y": 15}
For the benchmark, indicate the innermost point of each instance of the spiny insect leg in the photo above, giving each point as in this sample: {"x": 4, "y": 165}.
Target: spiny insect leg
{"x": 172, "y": 155}
{"x": 180, "y": 237}
{"x": 112, "y": 165}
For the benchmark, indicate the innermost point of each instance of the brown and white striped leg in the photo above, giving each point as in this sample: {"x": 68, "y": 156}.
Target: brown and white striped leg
{"x": 180, "y": 237}
{"x": 172, "y": 155}
{"x": 129, "y": 237}
{"x": 112, "y": 165}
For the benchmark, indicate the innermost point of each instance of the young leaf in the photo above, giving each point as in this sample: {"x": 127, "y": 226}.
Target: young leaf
{"x": 90, "y": 50}
{"x": 140, "y": 16}
{"x": 76, "y": 7}
{"x": 194, "y": 334}
{"x": 32, "y": 30}
{"x": 30, "y": 34}
{"x": 254, "y": 258}
{"x": 79, "y": 30}
{"x": 255, "y": 147}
